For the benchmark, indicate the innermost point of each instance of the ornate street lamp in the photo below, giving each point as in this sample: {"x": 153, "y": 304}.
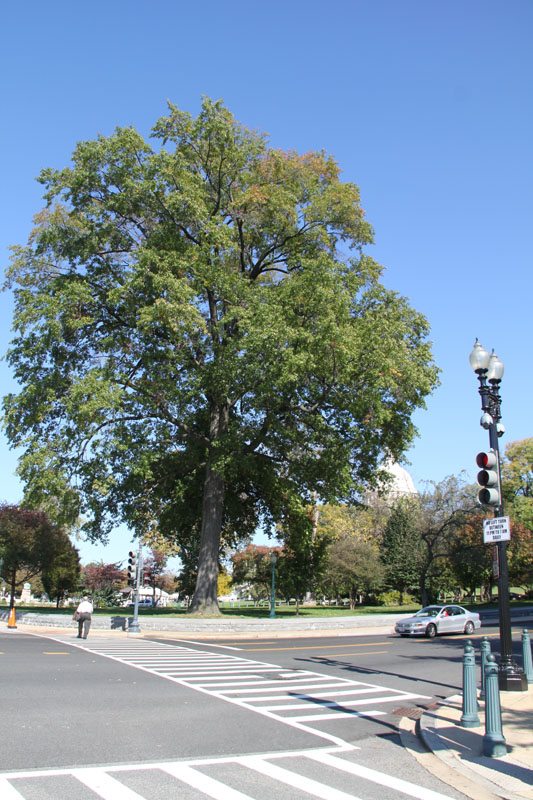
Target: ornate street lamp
{"x": 273, "y": 559}
{"x": 489, "y": 371}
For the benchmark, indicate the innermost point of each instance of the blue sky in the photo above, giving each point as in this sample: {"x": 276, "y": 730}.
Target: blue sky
{"x": 427, "y": 106}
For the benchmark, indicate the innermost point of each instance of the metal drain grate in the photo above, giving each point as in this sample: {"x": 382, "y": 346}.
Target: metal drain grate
{"x": 411, "y": 712}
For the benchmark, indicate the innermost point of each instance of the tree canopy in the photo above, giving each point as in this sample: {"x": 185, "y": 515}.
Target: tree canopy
{"x": 517, "y": 481}
{"x": 200, "y": 338}
{"x": 401, "y": 547}
{"x": 31, "y": 544}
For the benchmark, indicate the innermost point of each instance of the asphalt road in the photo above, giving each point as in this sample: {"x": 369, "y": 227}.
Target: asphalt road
{"x": 431, "y": 665}
{"x": 129, "y": 704}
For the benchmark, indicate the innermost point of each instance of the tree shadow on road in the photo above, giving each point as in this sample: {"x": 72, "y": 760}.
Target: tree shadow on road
{"x": 360, "y": 670}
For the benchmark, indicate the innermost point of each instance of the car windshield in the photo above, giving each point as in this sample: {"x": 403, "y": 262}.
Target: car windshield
{"x": 430, "y": 611}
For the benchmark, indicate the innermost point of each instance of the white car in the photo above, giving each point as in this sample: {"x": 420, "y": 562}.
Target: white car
{"x": 433, "y": 620}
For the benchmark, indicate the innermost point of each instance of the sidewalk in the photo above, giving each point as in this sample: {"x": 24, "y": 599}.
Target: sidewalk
{"x": 456, "y": 753}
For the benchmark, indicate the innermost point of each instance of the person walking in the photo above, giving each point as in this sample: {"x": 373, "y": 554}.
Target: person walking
{"x": 83, "y": 615}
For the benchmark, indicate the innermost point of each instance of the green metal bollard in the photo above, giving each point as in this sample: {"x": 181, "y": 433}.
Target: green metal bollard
{"x": 469, "y": 717}
{"x": 493, "y": 742}
{"x": 526, "y": 652}
{"x": 485, "y": 650}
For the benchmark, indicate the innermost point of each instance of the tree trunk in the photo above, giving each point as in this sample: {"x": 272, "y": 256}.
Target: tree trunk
{"x": 423, "y": 590}
{"x": 13, "y": 586}
{"x": 205, "y": 600}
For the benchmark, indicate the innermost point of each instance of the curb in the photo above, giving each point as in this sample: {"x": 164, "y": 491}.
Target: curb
{"x": 481, "y": 772}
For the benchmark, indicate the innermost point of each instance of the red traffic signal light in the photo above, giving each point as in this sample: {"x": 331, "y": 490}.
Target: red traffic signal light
{"x": 147, "y": 579}
{"x": 488, "y": 478}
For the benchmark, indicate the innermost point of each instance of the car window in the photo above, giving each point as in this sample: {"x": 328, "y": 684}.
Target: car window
{"x": 431, "y": 611}
{"x": 456, "y": 610}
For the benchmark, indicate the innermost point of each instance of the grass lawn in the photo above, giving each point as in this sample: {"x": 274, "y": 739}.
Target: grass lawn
{"x": 251, "y": 612}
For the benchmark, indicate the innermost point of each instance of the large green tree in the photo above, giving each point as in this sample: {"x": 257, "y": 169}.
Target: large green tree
{"x": 62, "y": 576}
{"x": 199, "y": 337}
{"x": 353, "y": 567}
{"x": 402, "y": 547}
{"x": 442, "y": 511}
{"x": 30, "y": 545}
{"x": 517, "y": 481}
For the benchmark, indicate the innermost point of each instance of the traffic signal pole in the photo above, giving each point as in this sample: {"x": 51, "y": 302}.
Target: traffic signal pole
{"x": 134, "y": 626}
{"x": 489, "y": 371}
{"x": 510, "y": 677}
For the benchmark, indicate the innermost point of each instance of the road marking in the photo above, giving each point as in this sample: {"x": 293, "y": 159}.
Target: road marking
{"x": 205, "y": 784}
{"x": 54, "y": 653}
{"x": 237, "y": 679}
{"x": 295, "y": 780}
{"x": 104, "y": 785}
{"x": 369, "y": 653}
{"x": 192, "y": 772}
{"x": 8, "y": 792}
{"x": 322, "y": 694}
{"x": 309, "y": 647}
{"x": 377, "y": 777}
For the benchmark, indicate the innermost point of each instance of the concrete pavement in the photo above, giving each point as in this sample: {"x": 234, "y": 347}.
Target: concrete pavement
{"x": 455, "y": 754}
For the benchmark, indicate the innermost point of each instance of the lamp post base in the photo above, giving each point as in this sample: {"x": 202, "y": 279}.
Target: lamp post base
{"x": 512, "y": 681}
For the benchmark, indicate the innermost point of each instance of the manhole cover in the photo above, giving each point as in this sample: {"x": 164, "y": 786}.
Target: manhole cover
{"x": 411, "y": 712}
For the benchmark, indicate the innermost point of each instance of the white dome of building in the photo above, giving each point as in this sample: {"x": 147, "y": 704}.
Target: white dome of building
{"x": 402, "y": 483}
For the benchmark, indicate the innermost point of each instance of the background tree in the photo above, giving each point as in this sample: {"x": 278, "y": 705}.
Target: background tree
{"x": 155, "y": 563}
{"x": 102, "y": 581}
{"x": 517, "y": 481}
{"x": 29, "y": 544}
{"x": 224, "y": 585}
{"x": 302, "y": 556}
{"x": 252, "y": 569}
{"x": 199, "y": 337}
{"x": 353, "y": 568}
{"x": 62, "y": 576}
{"x": 442, "y": 510}
{"x": 471, "y": 560}
{"x": 520, "y": 556}
{"x": 402, "y": 548}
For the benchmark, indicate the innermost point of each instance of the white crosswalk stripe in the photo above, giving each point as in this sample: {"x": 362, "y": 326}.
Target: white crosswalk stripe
{"x": 295, "y": 697}
{"x": 110, "y": 783}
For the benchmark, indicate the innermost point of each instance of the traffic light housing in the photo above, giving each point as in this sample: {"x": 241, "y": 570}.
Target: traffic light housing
{"x": 147, "y": 578}
{"x": 132, "y": 567}
{"x": 488, "y": 478}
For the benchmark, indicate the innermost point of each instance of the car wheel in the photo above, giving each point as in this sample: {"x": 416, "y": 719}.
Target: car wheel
{"x": 431, "y": 631}
{"x": 469, "y": 627}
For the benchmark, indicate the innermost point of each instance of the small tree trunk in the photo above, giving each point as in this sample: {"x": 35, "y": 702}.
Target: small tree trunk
{"x": 423, "y": 590}
{"x": 13, "y": 585}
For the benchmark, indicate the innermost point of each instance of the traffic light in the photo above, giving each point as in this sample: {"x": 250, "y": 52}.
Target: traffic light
{"x": 132, "y": 567}
{"x": 147, "y": 578}
{"x": 488, "y": 478}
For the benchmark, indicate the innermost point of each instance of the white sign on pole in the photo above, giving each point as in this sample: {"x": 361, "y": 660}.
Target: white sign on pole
{"x": 496, "y": 529}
